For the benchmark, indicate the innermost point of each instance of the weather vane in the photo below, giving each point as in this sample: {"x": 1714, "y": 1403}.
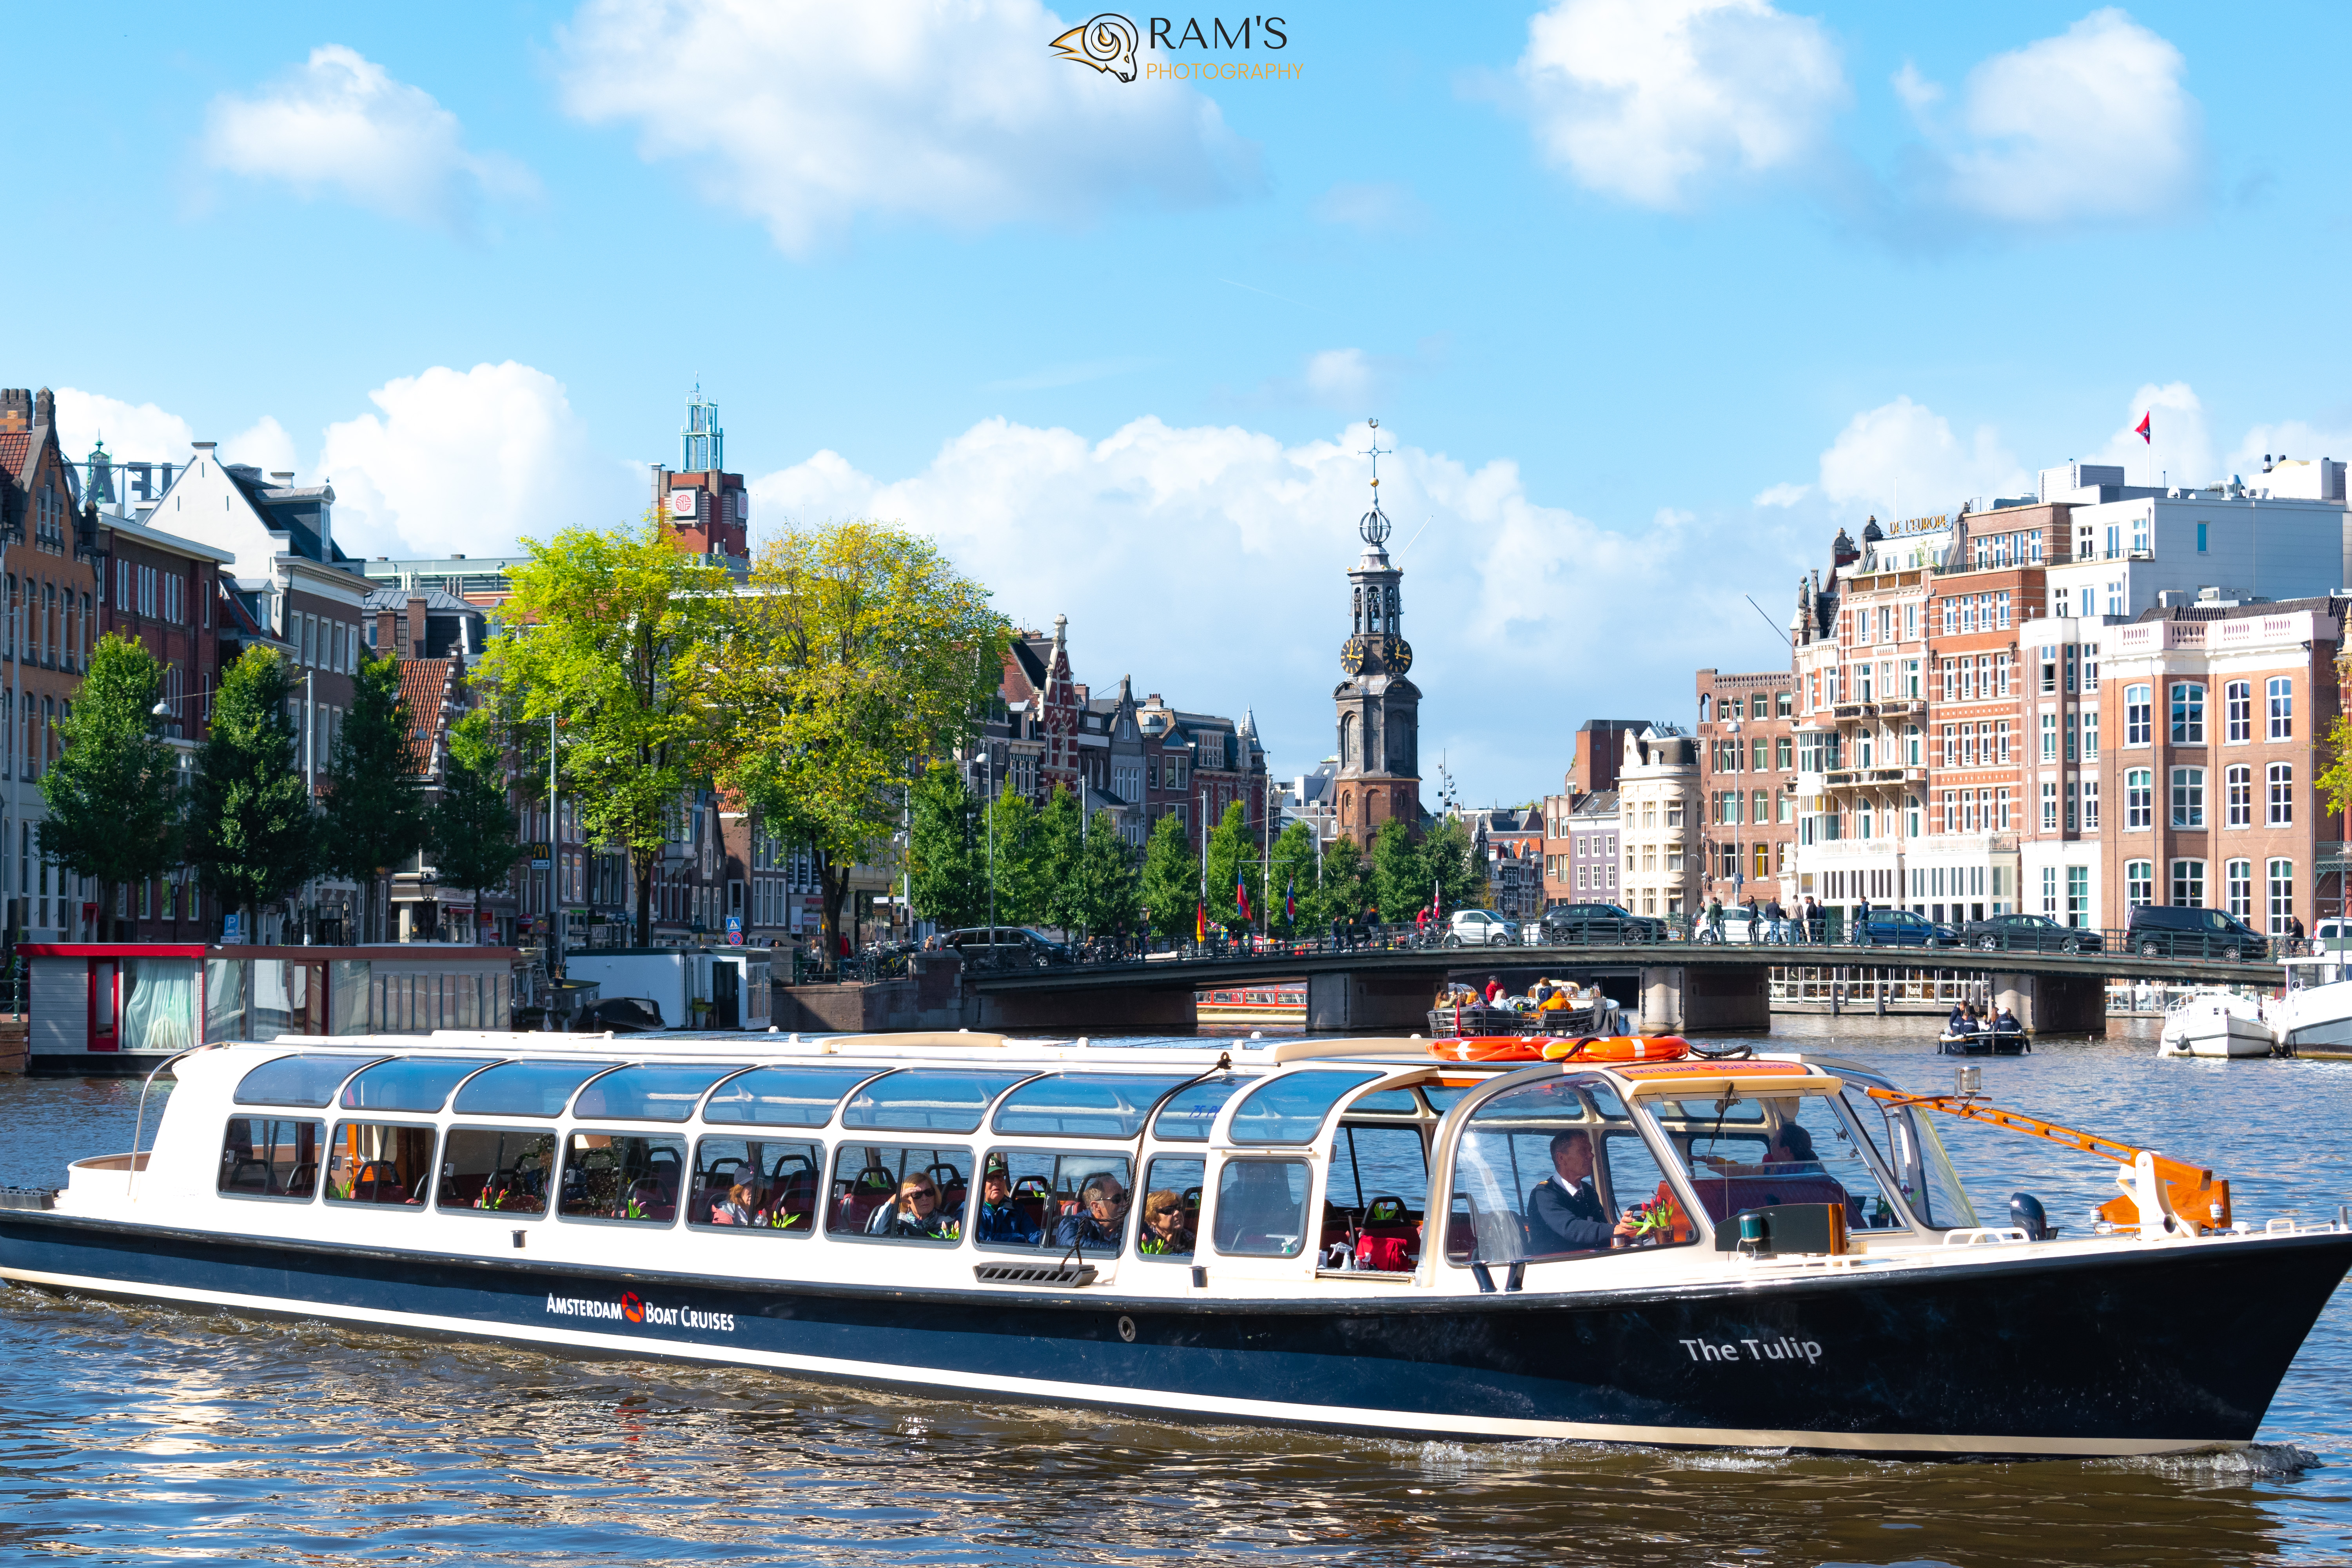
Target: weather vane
{"x": 1375, "y": 524}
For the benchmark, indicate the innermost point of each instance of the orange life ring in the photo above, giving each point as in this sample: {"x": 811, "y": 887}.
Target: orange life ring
{"x": 1540, "y": 1048}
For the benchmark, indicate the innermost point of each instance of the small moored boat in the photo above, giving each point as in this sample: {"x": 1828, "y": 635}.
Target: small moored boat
{"x": 1622, "y": 1242}
{"x": 2216, "y": 1024}
{"x": 1984, "y": 1043}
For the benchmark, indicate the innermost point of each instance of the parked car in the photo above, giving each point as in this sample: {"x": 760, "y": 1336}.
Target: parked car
{"x": 2166, "y": 930}
{"x": 1007, "y": 947}
{"x": 1480, "y": 928}
{"x": 1581, "y": 923}
{"x": 1737, "y": 928}
{"x": 2029, "y": 933}
{"x": 1902, "y": 927}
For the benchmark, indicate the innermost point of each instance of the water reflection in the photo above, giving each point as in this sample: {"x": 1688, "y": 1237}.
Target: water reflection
{"x": 131, "y": 1433}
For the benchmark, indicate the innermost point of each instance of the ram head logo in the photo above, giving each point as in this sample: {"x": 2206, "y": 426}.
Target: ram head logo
{"x": 1107, "y": 43}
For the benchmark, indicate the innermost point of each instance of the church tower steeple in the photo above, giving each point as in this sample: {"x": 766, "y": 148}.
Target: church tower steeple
{"x": 1379, "y": 708}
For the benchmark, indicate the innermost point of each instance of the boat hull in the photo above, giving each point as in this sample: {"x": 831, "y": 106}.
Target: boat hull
{"x": 1985, "y": 1042}
{"x": 2219, "y": 1036}
{"x": 2126, "y": 1351}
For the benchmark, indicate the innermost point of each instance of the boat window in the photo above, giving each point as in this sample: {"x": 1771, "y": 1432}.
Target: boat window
{"x": 756, "y": 1184}
{"x": 1915, "y": 1154}
{"x": 409, "y": 1083}
{"x": 1174, "y": 1180}
{"x": 1756, "y": 1151}
{"x": 501, "y": 1170}
{"x": 617, "y": 1176}
{"x": 1291, "y": 1108}
{"x": 380, "y": 1163}
{"x": 1442, "y": 1098}
{"x": 661, "y": 1091}
{"x": 1060, "y": 1200}
{"x": 308, "y": 1079}
{"x": 1545, "y": 1171}
{"x": 783, "y": 1097}
{"x": 1261, "y": 1209}
{"x": 1080, "y": 1105}
{"x": 1385, "y": 1102}
{"x": 265, "y": 1157}
{"x": 1187, "y": 1116}
{"x": 878, "y": 1191}
{"x": 1370, "y": 1162}
{"x": 926, "y": 1100}
{"x": 526, "y": 1088}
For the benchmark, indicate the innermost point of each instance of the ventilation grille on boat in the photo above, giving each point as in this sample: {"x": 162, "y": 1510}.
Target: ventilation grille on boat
{"x": 27, "y": 1198}
{"x": 1073, "y": 1274}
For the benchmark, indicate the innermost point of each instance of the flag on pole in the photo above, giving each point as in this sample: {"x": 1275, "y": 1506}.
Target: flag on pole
{"x": 1241, "y": 895}
{"x": 2142, "y": 432}
{"x": 1290, "y": 899}
{"x": 1201, "y": 921}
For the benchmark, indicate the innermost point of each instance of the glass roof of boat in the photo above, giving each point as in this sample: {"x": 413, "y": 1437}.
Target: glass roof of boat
{"x": 927, "y": 1099}
{"x": 1082, "y": 1105}
{"x": 307, "y": 1078}
{"x": 783, "y": 1096}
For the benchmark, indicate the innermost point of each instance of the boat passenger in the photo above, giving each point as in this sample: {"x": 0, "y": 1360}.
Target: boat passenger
{"x": 1556, "y": 1000}
{"x": 1791, "y": 1153}
{"x": 2005, "y": 1022}
{"x": 1001, "y": 1219}
{"x": 1959, "y": 1023}
{"x": 1164, "y": 1235}
{"x": 1564, "y": 1213}
{"x": 741, "y": 1205}
{"x": 1101, "y": 1214}
{"x": 915, "y": 1215}
{"x": 1494, "y": 991}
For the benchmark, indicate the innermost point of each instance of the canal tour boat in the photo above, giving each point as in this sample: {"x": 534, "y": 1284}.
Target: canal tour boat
{"x": 1604, "y": 1240}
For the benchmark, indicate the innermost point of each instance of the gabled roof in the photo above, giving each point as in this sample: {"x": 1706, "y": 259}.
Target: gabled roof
{"x": 425, "y": 685}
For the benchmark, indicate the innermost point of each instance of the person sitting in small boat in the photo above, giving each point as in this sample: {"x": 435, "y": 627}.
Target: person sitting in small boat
{"x": 915, "y": 1215}
{"x": 1494, "y": 991}
{"x": 1102, "y": 1212}
{"x": 2005, "y": 1022}
{"x": 1959, "y": 1023}
{"x": 1791, "y": 1153}
{"x": 1164, "y": 1235}
{"x": 1564, "y": 1214}
{"x": 1556, "y": 1000}
{"x": 1001, "y": 1219}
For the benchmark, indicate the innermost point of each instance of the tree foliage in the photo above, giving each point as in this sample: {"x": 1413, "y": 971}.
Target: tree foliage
{"x": 376, "y": 815}
{"x": 947, "y": 881}
{"x": 618, "y": 636}
{"x": 1171, "y": 879}
{"x": 1013, "y": 860}
{"x": 1105, "y": 891}
{"x": 1345, "y": 889}
{"x": 253, "y": 834}
{"x": 1234, "y": 857}
{"x": 2335, "y": 779}
{"x": 474, "y": 845}
{"x": 860, "y": 651}
{"x": 1294, "y": 870}
{"x": 114, "y": 796}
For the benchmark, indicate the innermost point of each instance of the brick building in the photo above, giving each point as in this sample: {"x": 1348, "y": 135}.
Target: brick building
{"x": 1573, "y": 855}
{"x": 1748, "y": 781}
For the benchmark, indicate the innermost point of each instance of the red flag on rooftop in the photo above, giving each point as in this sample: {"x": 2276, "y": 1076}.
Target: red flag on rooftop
{"x": 2142, "y": 431}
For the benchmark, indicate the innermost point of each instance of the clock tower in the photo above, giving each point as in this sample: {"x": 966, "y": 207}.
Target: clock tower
{"x": 1379, "y": 741}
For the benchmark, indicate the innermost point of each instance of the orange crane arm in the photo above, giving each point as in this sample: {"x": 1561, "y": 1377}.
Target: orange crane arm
{"x": 2192, "y": 1192}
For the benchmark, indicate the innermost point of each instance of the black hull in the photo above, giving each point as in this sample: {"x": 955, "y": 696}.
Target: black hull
{"x": 2122, "y": 1352}
{"x": 1984, "y": 1045}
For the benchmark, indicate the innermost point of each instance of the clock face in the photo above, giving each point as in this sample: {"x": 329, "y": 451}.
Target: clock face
{"x": 1351, "y": 655}
{"x": 1400, "y": 656}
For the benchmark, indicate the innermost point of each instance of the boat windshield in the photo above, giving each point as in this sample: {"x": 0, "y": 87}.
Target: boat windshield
{"x": 1187, "y": 1116}
{"x": 927, "y": 1099}
{"x": 310, "y": 1079}
{"x": 1080, "y": 1105}
{"x": 1750, "y": 1151}
{"x": 1292, "y": 1108}
{"x": 1905, "y": 1139}
{"x": 410, "y": 1083}
{"x": 783, "y": 1097}
{"x": 1548, "y": 1170}
{"x": 659, "y": 1091}
{"x": 526, "y": 1088}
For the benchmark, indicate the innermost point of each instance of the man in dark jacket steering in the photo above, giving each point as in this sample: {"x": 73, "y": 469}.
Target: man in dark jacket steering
{"x": 1564, "y": 1214}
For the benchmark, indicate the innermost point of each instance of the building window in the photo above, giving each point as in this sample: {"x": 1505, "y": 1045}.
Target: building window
{"x": 2238, "y": 710}
{"x": 2050, "y": 737}
{"x": 2188, "y": 713}
{"x": 2281, "y": 794}
{"x": 2282, "y": 696}
{"x": 2138, "y": 880}
{"x": 2281, "y": 876}
{"x": 2237, "y": 888}
{"x": 2078, "y": 895}
{"x": 2238, "y": 796}
{"x": 2136, "y": 716}
{"x": 2050, "y": 891}
{"x": 2090, "y": 734}
{"x": 2189, "y": 797}
{"x": 2050, "y": 807}
{"x": 2090, "y": 806}
{"x": 1784, "y": 754}
{"x": 2188, "y": 884}
{"x": 2201, "y": 539}
{"x": 2139, "y": 799}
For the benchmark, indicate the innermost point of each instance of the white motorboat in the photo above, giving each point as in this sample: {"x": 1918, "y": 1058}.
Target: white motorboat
{"x": 2216, "y": 1023}
{"x": 2316, "y": 1013}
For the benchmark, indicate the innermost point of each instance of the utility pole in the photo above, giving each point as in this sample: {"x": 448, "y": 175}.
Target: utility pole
{"x": 987, "y": 811}
{"x": 554, "y": 863}
{"x": 1202, "y": 929}
{"x": 1265, "y": 877}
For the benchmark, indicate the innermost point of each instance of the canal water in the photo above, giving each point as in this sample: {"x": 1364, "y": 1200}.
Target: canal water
{"x": 136, "y": 1436}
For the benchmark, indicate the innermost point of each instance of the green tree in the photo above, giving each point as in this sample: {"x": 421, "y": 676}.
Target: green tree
{"x": 1106, "y": 893}
{"x": 1293, "y": 869}
{"x": 376, "y": 815}
{"x": 1345, "y": 888}
{"x": 1060, "y": 830}
{"x": 2336, "y": 778}
{"x": 114, "y": 795}
{"x": 860, "y": 650}
{"x": 1398, "y": 872}
{"x": 474, "y": 839}
{"x": 1013, "y": 849}
{"x": 1449, "y": 858}
{"x": 948, "y": 883}
{"x": 1171, "y": 879}
{"x": 253, "y": 834}
{"x": 1233, "y": 855}
{"x": 618, "y": 637}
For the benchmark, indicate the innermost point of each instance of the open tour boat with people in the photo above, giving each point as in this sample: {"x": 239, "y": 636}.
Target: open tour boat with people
{"x": 1599, "y": 1240}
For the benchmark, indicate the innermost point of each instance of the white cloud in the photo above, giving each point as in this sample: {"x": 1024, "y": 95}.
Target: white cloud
{"x": 2287, "y": 438}
{"x": 471, "y": 461}
{"x": 1782, "y": 495}
{"x": 1210, "y": 563}
{"x": 1382, "y": 206}
{"x": 341, "y": 124}
{"x": 807, "y": 113}
{"x": 144, "y": 433}
{"x": 1903, "y": 454}
{"x": 2094, "y": 124}
{"x": 1340, "y": 378}
{"x": 1650, "y": 99}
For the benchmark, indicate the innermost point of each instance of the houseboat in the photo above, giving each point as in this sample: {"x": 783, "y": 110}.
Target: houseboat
{"x": 1275, "y": 1005}
{"x": 1447, "y": 1239}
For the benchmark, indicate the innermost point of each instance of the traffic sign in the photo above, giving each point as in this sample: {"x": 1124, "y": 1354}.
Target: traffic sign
{"x": 734, "y": 931}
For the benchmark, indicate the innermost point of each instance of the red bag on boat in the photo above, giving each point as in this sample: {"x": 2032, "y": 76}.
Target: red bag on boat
{"x": 1389, "y": 1254}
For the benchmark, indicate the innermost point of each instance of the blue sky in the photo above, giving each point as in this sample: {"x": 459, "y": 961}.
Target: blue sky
{"x": 1648, "y": 297}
